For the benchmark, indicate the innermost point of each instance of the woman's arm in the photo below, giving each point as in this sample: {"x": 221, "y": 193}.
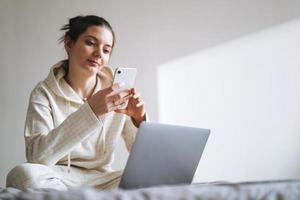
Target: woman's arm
{"x": 129, "y": 133}
{"x": 46, "y": 144}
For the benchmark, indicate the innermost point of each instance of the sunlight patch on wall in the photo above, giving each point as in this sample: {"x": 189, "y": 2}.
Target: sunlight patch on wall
{"x": 247, "y": 91}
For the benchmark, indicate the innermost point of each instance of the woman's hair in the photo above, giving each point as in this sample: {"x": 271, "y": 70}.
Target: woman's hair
{"x": 78, "y": 25}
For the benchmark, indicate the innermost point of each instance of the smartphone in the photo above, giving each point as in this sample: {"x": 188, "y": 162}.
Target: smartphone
{"x": 126, "y": 76}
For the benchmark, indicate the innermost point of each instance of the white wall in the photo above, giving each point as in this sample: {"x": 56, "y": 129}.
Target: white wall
{"x": 247, "y": 91}
{"x": 149, "y": 34}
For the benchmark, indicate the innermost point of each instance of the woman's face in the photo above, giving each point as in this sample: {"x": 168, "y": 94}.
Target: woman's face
{"x": 91, "y": 51}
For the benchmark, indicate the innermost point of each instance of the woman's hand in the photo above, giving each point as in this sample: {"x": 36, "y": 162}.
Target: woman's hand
{"x": 109, "y": 99}
{"x": 135, "y": 108}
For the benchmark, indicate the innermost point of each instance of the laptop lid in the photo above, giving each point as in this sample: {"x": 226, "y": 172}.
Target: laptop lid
{"x": 163, "y": 154}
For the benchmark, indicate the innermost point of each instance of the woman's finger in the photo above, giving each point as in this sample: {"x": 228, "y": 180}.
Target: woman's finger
{"x": 114, "y": 87}
{"x": 141, "y": 103}
{"x": 133, "y": 90}
{"x": 117, "y": 96}
{"x": 122, "y": 111}
{"x": 122, "y": 100}
{"x": 135, "y": 96}
{"x": 119, "y": 108}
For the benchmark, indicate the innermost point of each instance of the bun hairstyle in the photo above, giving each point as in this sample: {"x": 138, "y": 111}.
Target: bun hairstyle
{"x": 78, "y": 25}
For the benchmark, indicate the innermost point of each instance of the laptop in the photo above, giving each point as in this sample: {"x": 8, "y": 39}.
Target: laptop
{"x": 163, "y": 155}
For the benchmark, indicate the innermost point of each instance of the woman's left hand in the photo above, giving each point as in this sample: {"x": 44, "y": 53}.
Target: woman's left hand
{"x": 135, "y": 108}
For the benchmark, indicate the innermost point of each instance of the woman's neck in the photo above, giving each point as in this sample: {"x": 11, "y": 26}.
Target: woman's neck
{"x": 83, "y": 86}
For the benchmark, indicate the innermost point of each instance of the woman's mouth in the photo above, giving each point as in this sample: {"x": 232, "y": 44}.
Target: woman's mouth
{"x": 93, "y": 63}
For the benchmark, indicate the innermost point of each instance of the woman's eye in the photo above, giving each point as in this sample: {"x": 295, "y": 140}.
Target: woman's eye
{"x": 90, "y": 43}
{"x": 106, "y": 51}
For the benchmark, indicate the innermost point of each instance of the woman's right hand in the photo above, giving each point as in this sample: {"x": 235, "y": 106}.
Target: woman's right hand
{"x": 109, "y": 99}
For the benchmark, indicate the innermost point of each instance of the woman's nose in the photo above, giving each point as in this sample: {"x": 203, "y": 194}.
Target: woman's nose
{"x": 98, "y": 53}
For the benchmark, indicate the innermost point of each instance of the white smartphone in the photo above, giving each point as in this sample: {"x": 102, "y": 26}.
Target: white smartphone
{"x": 126, "y": 76}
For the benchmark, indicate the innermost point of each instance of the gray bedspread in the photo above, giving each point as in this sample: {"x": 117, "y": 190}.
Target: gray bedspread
{"x": 281, "y": 190}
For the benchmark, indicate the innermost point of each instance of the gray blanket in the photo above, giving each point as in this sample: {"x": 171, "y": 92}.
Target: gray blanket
{"x": 280, "y": 190}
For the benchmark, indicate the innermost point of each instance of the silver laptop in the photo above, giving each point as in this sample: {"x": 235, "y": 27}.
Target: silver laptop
{"x": 163, "y": 155}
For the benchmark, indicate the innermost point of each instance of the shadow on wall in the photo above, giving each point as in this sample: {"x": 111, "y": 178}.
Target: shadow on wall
{"x": 247, "y": 91}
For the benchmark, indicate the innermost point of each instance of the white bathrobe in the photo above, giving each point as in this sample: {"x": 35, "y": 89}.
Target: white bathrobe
{"x": 62, "y": 130}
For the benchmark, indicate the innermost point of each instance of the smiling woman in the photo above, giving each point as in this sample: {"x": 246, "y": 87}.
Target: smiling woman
{"x": 74, "y": 117}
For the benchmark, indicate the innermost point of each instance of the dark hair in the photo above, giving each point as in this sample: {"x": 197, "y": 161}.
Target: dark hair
{"x": 78, "y": 25}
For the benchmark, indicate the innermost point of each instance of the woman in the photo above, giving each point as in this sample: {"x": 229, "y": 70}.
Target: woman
{"x": 74, "y": 118}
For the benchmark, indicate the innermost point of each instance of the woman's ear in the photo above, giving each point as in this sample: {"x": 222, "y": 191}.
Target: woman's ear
{"x": 67, "y": 44}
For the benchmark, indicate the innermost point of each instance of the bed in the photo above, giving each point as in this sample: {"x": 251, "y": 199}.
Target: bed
{"x": 279, "y": 190}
